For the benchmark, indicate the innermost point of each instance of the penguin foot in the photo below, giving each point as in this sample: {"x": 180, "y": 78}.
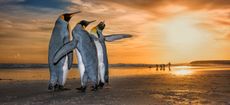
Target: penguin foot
{"x": 94, "y": 88}
{"x": 56, "y": 87}
{"x": 81, "y": 89}
{"x": 62, "y": 88}
{"x": 53, "y": 87}
{"x": 107, "y": 86}
{"x": 50, "y": 87}
{"x": 100, "y": 85}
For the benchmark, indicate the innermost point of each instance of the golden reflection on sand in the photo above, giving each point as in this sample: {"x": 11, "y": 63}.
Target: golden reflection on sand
{"x": 182, "y": 72}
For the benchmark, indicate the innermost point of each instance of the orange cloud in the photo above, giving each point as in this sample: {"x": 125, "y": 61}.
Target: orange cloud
{"x": 29, "y": 24}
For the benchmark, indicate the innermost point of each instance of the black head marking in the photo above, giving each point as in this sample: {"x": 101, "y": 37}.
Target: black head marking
{"x": 68, "y": 16}
{"x": 85, "y": 23}
{"x": 101, "y": 25}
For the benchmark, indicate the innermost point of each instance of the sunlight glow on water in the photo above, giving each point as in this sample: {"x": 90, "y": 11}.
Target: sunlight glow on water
{"x": 182, "y": 72}
{"x": 183, "y": 67}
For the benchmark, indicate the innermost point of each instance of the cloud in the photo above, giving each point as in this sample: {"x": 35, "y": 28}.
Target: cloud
{"x": 158, "y": 3}
{"x": 228, "y": 36}
{"x": 216, "y": 21}
{"x": 208, "y": 4}
{"x": 56, "y": 4}
{"x": 29, "y": 23}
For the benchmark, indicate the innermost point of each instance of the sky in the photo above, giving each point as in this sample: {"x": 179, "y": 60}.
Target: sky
{"x": 176, "y": 31}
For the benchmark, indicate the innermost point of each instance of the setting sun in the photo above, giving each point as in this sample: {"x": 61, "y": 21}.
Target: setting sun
{"x": 182, "y": 32}
{"x": 185, "y": 37}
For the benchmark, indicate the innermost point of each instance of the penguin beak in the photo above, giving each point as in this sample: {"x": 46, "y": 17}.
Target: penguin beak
{"x": 91, "y": 21}
{"x": 68, "y": 16}
{"x": 71, "y": 14}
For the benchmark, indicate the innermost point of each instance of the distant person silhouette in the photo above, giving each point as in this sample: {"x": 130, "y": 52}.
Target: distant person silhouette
{"x": 163, "y": 67}
{"x": 169, "y": 66}
{"x": 157, "y": 67}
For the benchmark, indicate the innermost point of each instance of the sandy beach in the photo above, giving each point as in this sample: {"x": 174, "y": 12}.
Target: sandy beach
{"x": 129, "y": 86}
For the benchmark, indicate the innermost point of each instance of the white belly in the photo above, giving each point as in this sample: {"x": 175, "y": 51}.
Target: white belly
{"x": 81, "y": 65}
{"x": 65, "y": 70}
{"x": 101, "y": 66}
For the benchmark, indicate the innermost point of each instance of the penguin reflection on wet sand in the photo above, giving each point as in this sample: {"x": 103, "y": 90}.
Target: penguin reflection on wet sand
{"x": 86, "y": 51}
{"x": 60, "y": 36}
{"x": 99, "y": 40}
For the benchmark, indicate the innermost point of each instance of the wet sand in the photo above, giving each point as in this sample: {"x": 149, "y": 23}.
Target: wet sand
{"x": 128, "y": 87}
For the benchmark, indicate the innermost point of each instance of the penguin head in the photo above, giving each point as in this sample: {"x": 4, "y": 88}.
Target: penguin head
{"x": 85, "y": 23}
{"x": 101, "y": 25}
{"x": 68, "y": 16}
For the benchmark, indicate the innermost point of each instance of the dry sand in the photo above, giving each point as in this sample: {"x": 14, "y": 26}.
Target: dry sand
{"x": 128, "y": 87}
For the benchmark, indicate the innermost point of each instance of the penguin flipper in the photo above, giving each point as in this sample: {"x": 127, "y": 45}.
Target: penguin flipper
{"x": 66, "y": 49}
{"x": 113, "y": 37}
{"x": 70, "y": 59}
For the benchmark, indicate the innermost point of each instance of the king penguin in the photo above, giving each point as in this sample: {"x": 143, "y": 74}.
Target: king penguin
{"x": 60, "y": 36}
{"x": 99, "y": 40}
{"x": 86, "y": 51}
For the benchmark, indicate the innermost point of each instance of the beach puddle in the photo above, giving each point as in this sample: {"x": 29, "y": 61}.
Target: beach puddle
{"x": 182, "y": 72}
